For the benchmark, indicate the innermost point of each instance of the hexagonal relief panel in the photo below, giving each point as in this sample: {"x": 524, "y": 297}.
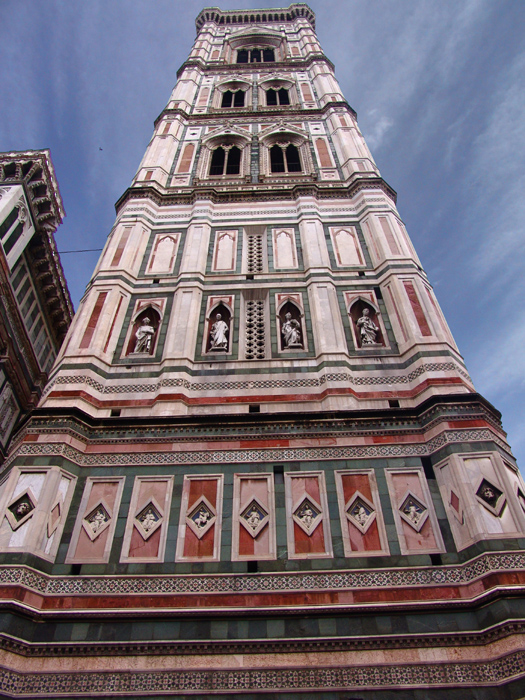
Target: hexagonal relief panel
{"x": 97, "y": 520}
{"x": 148, "y": 519}
{"x": 413, "y": 511}
{"x": 201, "y": 517}
{"x": 21, "y": 508}
{"x": 360, "y": 512}
{"x": 491, "y": 497}
{"x": 254, "y": 517}
{"x": 308, "y": 515}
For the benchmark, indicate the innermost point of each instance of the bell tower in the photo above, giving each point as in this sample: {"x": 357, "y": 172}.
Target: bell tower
{"x": 260, "y": 465}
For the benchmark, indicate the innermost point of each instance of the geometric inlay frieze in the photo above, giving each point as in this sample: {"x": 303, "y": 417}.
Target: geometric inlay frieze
{"x": 21, "y": 508}
{"x": 308, "y": 515}
{"x": 491, "y": 497}
{"x": 97, "y": 520}
{"x": 394, "y": 577}
{"x": 413, "y": 511}
{"x": 360, "y": 512}
{"x": 254, "y": 517}
{"x": 201, "y": 517}
{"x": 251, "y": 455}
{"x": 148, "y": 519}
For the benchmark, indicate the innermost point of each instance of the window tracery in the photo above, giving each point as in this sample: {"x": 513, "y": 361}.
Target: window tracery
{"x": 226, "y": 160}
{"x": 255, "y": 54}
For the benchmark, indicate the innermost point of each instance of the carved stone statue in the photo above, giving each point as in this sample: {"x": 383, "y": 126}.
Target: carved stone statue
{"x": 367, "y": 328}
{"x": 148, "y": 521}
{"x": 219, "y": 334}
{"x": 306, "y": 516}
{"x": 414, "y": 513}
{"x": 202, "y": 518}
{"x": 253, "y": 518}
{"x": 22, "y": 509}
{"x": 98, "y": 520}
{"x": 291, "y": 332}
{"x": 144, "y": 337}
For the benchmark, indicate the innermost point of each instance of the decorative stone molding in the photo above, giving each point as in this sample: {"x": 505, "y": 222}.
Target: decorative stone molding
{"x": 301, "y": 581}
{"x": 258, "y": 455}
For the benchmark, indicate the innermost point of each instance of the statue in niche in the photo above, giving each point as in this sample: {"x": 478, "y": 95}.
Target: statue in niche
{"x": 291, "y": 332}
{"x": 368, "y": 330}
{"x": 219, "y": 334}
{"x": 144, "y": 337}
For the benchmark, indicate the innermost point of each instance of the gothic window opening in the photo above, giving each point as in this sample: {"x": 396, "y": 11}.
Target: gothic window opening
{"x": 242, "y": 56}
{"x": 233, "y": 98}
{"x": 277, "y": 97}
{"x": 256, "y": 55}
{"x": 285, "y": 159}
{"x": 226, "y": 160}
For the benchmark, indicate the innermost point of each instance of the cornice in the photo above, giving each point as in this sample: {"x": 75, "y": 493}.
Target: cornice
{"x": 297, "y": 10}
{"x": 260, "y": 115}
{"x": 261, "y": 192}
{"x": 34, "y": 171}
{"x": 263, "y": 646}
{"x": 295, "y": 65}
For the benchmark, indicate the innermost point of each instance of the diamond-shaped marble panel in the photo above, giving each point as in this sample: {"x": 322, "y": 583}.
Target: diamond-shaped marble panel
{"x": 21, "y": 509}
{"x": 201, "y": 517}
{"x": 308, "y": 515}
{"x": 148, "y": 519}
{"x": 413, "y": 511}
{"x": 97, "y": 520}
{"x": 360, "y": 512}
{"x": 254, "y": 517}
{"x": 491, "y": 497}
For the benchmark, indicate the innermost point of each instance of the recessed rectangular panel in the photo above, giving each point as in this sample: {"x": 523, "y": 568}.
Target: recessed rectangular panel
{"x": 253, "y": 520}
{"x": 200, "y": 521}
{"x": 307, "y": 516}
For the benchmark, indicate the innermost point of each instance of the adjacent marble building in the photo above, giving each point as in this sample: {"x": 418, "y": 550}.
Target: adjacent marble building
{"x": 260, "y": 467}
{"x": 35, "y": 307}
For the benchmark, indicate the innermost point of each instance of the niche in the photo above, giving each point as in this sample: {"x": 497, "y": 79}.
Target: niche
{"x": 365, "y": 325}
{"x": 144, "y": 334}
{"x": 218, "y": 333}
{"x": 290, "y": 327}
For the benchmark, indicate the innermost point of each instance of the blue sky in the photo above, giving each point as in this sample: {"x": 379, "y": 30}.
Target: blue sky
{"x": 439, "y": 88}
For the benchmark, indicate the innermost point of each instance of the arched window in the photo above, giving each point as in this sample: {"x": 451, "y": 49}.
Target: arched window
{"x": 226, "y": 160}
{"x": 255, "y": 55}
{"x": 242, "y": 56}
{"x": 277, "y": 97}
{"x": 233, "y": 98}
{"x": 285, "y": 159}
